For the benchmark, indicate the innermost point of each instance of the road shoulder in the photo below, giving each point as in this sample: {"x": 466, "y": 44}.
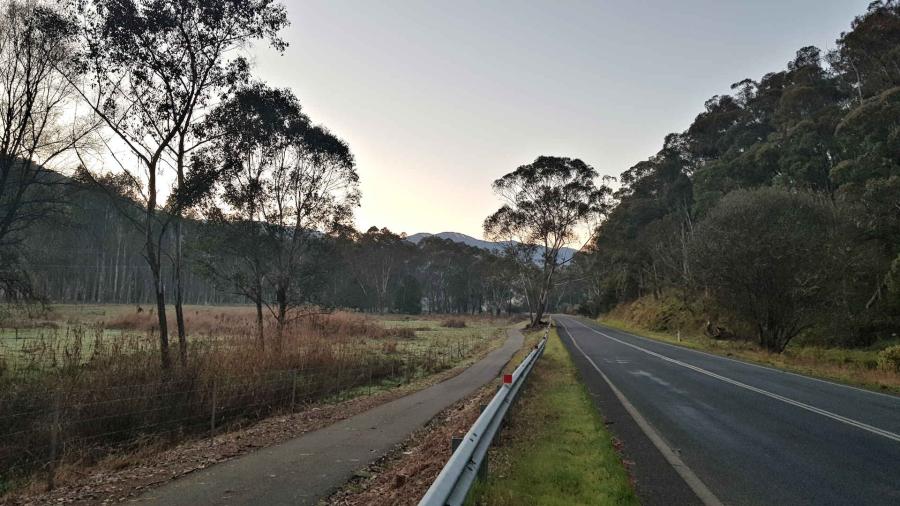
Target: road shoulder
{"x": 656, "y": 481}
{"x": 554, "y": 448}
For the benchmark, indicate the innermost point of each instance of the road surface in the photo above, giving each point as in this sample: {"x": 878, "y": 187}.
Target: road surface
{"x": 310, "y": 467}
{"x": 741, "y": 433}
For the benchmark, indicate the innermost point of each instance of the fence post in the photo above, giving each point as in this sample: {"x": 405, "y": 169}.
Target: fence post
{"x": 212, "y": 415}
{"x": 54, "y": 438}
{"x": 293, "y": 389}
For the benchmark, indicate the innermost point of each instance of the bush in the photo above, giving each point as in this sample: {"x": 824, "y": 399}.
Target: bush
{"x": 454, "y": 323}
{"x": 766, "y": 258}
{"x": 889, "y": 358}
{"x": 404, "y": 333}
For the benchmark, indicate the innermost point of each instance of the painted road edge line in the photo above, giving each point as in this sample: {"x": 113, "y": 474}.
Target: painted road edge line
{"x": 819, "y": 411}
{"x": 752, "y": 364}
{"x": 693, "y": 481}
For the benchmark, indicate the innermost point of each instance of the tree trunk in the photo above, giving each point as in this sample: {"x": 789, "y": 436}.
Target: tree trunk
{"x": 154, "y": 262}
{"x": 165, "y": 357}
{"x": 179, "y": 309}
{"x": 258, "y": 299}
{"x": 259, "y": 323}
{"x": 179, "y": 239}
{"x": 281, "y": 296}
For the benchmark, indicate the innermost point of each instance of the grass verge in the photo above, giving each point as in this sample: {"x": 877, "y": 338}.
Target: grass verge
{"x": 851, "y": 367}
{"x": 555, "y": 450}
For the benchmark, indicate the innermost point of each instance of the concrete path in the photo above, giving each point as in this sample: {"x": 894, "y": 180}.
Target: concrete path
{"x": 306, "y": 469}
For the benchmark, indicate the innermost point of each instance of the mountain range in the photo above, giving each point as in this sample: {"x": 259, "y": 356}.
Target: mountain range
{"x": 564, "y": 253}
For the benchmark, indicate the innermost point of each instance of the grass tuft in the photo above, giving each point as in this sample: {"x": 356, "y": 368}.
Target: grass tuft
{"x": 454, "y": 323}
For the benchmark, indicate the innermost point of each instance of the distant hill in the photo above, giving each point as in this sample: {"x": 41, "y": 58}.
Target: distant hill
{"x": 564, "y": 254}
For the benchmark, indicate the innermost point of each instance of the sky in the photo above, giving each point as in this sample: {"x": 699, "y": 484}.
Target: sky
{"x": 438, "y": 99}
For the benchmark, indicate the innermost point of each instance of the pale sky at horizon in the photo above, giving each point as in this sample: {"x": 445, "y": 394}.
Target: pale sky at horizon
{"x": 438, "y": 100}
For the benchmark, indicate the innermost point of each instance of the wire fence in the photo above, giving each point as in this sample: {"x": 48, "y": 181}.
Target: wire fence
{"x": 47, "y": 419}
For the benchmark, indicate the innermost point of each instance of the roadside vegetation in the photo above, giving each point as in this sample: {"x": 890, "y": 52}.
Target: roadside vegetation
{"x": 88, "y": 384}
{"x": 555, "y": 449}
{"x": 876, "y": 366}
{"x": 769, "y": 228}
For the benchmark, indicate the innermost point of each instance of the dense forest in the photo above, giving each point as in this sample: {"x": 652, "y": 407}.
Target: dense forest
{"x": 776, "y": 214}
{"x": 88, "y": 251}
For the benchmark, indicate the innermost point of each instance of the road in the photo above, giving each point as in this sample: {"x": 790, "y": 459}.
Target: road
{"x": 308, "y": 468}
{"x": 741, "y": 433}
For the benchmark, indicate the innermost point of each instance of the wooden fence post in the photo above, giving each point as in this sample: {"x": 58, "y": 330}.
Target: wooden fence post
{"x": 54, "y": 438}
{"x": 293, "y": 388}
{"x": 212, "y": 415}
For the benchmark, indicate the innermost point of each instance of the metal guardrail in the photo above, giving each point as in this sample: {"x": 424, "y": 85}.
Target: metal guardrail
{"x": 459, "y": 473}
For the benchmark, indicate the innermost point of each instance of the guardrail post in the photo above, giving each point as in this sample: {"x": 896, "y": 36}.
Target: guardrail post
{"x": 455, "y": 441}
{"x": 483, "y": 468}
{"x": 293, "y": 389}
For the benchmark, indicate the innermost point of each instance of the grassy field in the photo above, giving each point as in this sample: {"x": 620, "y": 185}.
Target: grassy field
{"x": 74, "y": 332}
{"x": 858, "y": 367}
{"x": 555, "y": 450}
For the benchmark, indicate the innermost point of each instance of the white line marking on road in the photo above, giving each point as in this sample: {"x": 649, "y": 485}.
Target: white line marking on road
{"x": 807, "y": 407}
{"x": 693, "y": 481}
{"x": 758, "y": 366}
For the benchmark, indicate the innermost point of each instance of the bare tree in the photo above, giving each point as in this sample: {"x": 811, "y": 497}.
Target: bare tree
{"x": 38, "y": 125}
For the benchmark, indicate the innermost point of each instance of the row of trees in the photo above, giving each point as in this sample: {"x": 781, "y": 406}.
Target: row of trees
{"x": 779, "y": 206}
{"x": 163, "y": 89}
{"x": 91, "y": 254}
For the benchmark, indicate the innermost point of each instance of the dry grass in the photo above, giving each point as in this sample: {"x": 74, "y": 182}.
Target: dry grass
{"x": 128, "y": 474}
{"x": 105, "y": 385}
{"x": 454, "y": 323}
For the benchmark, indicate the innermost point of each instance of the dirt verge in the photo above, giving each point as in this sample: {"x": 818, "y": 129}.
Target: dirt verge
{"x": 403, "y": 476}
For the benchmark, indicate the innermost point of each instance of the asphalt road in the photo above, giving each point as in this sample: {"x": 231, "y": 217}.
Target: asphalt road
{"x": 742, "y": 433}
{"x": 306, "y": 469}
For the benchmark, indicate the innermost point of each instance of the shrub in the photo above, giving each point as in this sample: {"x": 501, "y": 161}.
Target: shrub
{"x": 404, "y": 333}
{"x": 454, "y": 323}
{"x": 889, "y": 358}
{"x": 778, "y": 282}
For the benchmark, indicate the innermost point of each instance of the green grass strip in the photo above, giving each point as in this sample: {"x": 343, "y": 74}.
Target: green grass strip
{"x": 555, "y": 450}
